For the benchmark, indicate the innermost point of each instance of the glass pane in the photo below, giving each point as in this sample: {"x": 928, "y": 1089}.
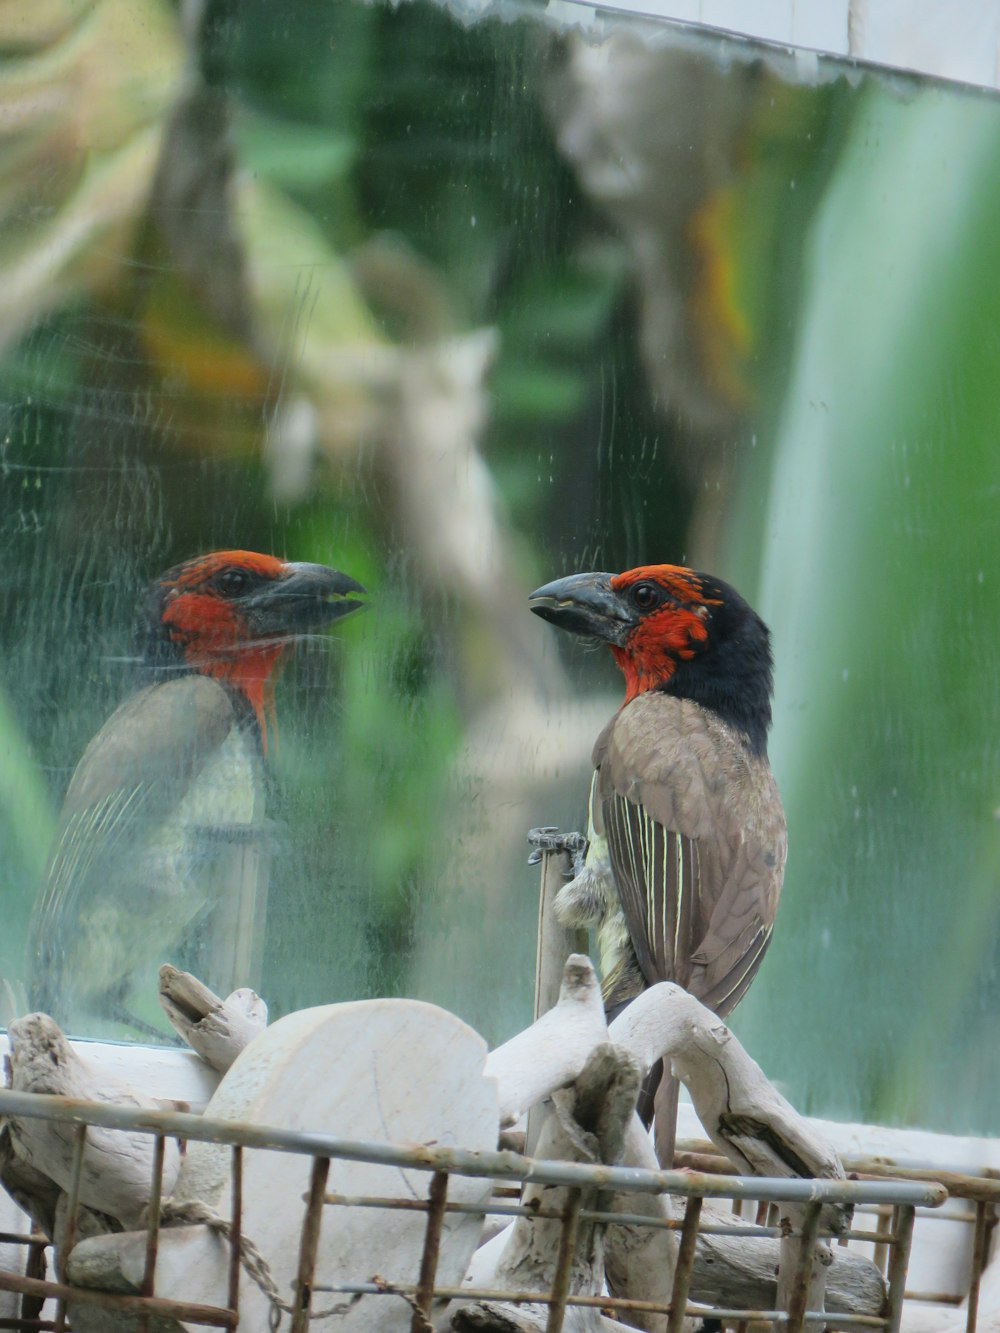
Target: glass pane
{"x": 455, "y": 306}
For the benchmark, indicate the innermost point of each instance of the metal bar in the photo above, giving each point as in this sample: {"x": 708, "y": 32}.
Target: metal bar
{"x": 235, "y": 1231}
{"x": 555, "y": 943}
{"x": 502, "y": 1165}
{"x": 564, "y": 1262}
{"x": 437, "y": 1199}
{"x": 685, "y": 1263}
{"x": 744, "y": 1231}
{"x": 135, "y": 1305}
{"x": 901, "y": 1241}
{"x": 978, "y": 1264}
{"x": 152, "y": 1229}
{"x": 68, "y": 1236}
{"x": 860, "y": 1321}
{"x": 32, "y": 1306}
{"x": 880, "y": 1255}
{"x": 983, "y": 1187}
{"x": 309, "y": 1247}
{"x": 798, "y": 1295}
{"x": 975, "y": 1188}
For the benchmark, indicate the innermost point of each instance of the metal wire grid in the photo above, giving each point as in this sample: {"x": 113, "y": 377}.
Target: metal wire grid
{"x": 982, "y": 1191}
{"x": 902, "y": 1198}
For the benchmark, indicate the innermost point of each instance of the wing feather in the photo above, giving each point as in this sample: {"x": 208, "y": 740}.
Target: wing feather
{"x": 107, "y": 872}
{"x": 696, "y": 838}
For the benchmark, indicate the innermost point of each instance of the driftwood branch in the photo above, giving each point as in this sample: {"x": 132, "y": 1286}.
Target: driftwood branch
{"x": 117, "y": 1165}
{"x": 217, "y": 1029}
{"x": 742, "y": 1112}
{"x": 588, "y": 1123}
{"x": 552, "y": 1052}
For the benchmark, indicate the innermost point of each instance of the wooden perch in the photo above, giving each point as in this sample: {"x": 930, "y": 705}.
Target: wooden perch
{"x": 743, "y": 1113}
{"x": 117, "y": 1165}
{"x": 588, "y": 1123}
{"x": 731, "y": 1272}
{"x": 217, "y": 1029}
{"x": 551, "y": 1053}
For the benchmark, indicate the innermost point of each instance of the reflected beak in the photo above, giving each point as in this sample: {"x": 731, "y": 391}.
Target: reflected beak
{"x": 584, "y": 604}
{"x": 307, "y": 597}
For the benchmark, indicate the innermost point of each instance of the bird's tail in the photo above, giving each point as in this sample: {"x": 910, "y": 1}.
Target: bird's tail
{"x": 657, "y": 1106}
{"x": 665, "y": 1119}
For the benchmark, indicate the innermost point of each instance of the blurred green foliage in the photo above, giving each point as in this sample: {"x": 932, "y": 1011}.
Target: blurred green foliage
{"x": 880, "y": 564}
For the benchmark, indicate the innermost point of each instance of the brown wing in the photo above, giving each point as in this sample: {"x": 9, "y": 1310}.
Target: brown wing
{"x": 696, "y": 835}
{"x": 131, "y": 777}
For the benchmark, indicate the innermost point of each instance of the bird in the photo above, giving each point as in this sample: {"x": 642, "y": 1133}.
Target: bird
{"x": 162, "y": 842}
{"x": 686, "y": 848}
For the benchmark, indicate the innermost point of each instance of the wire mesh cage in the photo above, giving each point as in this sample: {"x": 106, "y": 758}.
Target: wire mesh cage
{"x": 582, "y": 1194}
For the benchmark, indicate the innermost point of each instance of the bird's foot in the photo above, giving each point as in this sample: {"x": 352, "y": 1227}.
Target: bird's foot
{"x": 549, "y": 839}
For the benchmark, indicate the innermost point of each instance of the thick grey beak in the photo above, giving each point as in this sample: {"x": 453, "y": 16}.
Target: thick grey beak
{"x": 584, "y": 604}
{"x": 308, "y": 597}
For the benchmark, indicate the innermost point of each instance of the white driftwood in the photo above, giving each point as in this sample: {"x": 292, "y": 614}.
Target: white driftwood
{"x": 741, "y": 1110}
{"x": 217, "y": 1029}
{"x": 117, "y": 1166}
{"x": 395, "y": 1071}
{"x": 587, "y": 1123}
{"x": 552, "y": 1052}
{"x": 730, "y": 1272}
{"x": 640, "y": 1261}
{"x": 743, "y": 1113}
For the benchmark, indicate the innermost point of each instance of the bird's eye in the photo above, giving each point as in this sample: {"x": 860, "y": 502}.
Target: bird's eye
{"x": 645, "y": 596}
{"x": 232, "y": 582}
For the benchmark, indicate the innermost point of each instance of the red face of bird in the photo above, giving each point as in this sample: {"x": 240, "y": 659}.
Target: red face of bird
{"x": 233, "y": 614}
{"x": 655, "y": 618}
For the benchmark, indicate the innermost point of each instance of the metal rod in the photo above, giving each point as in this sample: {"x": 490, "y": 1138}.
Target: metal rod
{"x": 798, "y": 1296}
{"x": 32, "y": 1306}
{"x": 134, "y": 1305}
{"x": 309, "y": 1247}
{"x": 861, "y": 1321}
{"x": 564, "y": 1262}
{"x": 437, "y": 1199}
{"x": 555, "y": 943}
{"x": 901, "y": 1241}
{"x": 685, "y": 1263}
{"x": 979, "y": 1249}
{"x": 500, "y": 1165}
{"x": 235, "y": 1230}
{"x": 68, "y": 1237}
{"x": 883, "y": 1229}
{"x": 152, "y": 1229}
{"x": 985, "y": 1186}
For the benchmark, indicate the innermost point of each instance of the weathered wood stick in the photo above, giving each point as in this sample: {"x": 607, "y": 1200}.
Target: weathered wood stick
{"x": 556, "y": 942}
{"x": 217, "y": 1029}
{"x": 117, "y": 1165}
{"x": 588, "y": 1123}
{"x": 552, "y": 1052}
{"x": 639, "y": 1261}
{"x": 743, "y": 1113}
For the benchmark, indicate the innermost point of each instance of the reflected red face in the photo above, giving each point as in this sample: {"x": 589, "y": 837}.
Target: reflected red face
{"x": 673, "y": 616}
{"x": 203, "y": 616}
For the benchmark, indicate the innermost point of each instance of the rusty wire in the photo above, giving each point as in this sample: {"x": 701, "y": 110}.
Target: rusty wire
{"x": 442, "y": 1164}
